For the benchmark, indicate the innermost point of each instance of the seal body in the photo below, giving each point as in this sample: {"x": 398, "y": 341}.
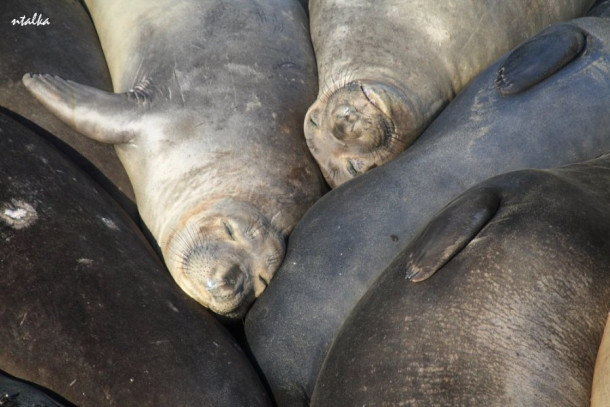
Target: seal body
{"x": 600, "y": 393}
{"x": 88, "y": 310}
{"x": 16, "y": 393}
{"x": 388, "y": 67}
{"x": 352, "y": 234}
{"x": 207, "y": 122}
{"x": 67, "y": 46}
{"x": 501, "y": 300}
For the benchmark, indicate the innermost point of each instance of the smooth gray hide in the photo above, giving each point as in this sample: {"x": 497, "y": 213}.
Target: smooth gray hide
{"x": 353, "y": 233}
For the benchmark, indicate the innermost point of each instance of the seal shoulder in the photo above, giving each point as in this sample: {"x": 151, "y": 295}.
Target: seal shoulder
{"x": 539, "y": 58}
{"x": 449, "y": 232}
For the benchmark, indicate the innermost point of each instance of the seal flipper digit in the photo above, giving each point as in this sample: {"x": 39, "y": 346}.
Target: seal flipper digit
{"x": 449, "y": 232}
{"x": 540, "y": 57}
{"x": 103, "y": 116}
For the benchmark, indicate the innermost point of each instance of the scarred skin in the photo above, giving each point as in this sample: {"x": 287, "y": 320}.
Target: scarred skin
{"x": 511, "y": 317}
{"x": 206, "y": 120}
{"x": 387, "y": 68}
{"x": 352, "y": 234}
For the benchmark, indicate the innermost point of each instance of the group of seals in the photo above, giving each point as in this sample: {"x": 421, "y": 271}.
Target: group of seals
{"x": 207, "y": 123}
{"x": 87, "y": 309}
{"x": 68, "y": 46}
{"x": 386, "y": 68}
{"x": 500, "y": 301}
{"x": 350, "y": 235}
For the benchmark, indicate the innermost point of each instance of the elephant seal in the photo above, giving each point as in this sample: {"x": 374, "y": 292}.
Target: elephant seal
{"x": 350, "y": 235}
{"x": 206, "y": 121}
{"x": 68, "y": 46}
{"x": 600, "y": 393}
{"x": 501, "y": 300}
{"x": 388, "y": 67}
{"x": 88, "y": 311}
{"x": 17, "y": 393}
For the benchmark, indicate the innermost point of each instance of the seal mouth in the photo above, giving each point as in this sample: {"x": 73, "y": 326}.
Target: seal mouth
{"x": 358, "y": 127}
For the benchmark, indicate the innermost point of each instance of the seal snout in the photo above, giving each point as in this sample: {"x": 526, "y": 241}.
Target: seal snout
{"x": 226, "y": 256}
{"x": 225, "y": 282}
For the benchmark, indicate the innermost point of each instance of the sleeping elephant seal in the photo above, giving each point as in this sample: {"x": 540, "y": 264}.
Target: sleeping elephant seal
{"x": 16, "y": 393}
{"x": 67, "y": 46}
{"x": 500, "y": 301}
{"x": 207, "y": 122}
{"x": 87, "y": 309}
{"x": 353, "y": 232}
{"x": 600, "y": 394}
{"x": 388, "y": 67}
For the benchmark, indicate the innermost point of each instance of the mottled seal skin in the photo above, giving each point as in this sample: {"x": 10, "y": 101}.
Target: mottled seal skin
{"x": 88, "y": 311}
{"x": 600, "y": 392}
{"x": 17, "y": 393}
{"x": 67, "y": 46}
{"x": 500, "y": 301}
{"x": 350, "y": 235}
{"x": 207, "y": 122}
{"x": 388, "y": 67}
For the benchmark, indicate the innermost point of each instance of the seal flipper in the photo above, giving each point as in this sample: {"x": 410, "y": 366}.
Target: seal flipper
{"x": 538, "y": 58}
{"x": 449, "y": 232}
{"x": 103, "y": 116}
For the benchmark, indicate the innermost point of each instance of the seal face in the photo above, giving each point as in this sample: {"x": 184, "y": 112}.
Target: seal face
{"x": 226, "y": 256}
{"x": 358, "y": 127}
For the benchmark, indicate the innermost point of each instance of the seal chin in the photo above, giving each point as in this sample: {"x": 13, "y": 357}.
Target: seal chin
{"x": 226, "y": 261}
{"x": 360, "y": 126}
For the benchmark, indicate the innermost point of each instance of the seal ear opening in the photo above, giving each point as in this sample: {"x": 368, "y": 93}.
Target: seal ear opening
{"x": 449, "y": 232}
{"x": 539, "y": 58}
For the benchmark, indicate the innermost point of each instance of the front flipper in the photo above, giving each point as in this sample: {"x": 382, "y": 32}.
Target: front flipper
{"x": 449, "y": 232}
{"x": 538, "y": 58}
{"x": 103, "y": 116}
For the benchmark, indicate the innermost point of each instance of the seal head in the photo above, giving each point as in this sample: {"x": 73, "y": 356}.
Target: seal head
{"x": 358, "y": 127}
{"x": 225, "y": 256}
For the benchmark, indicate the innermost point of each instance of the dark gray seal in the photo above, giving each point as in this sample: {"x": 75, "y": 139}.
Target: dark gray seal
{"x": 87, "y": 309}
{"x": 500, "y": 301}
{"x": 207, "y": 120}
{"x": 17, "y": 393}
{"x": 67, "y": 46}
{"x": 353, "y": 233}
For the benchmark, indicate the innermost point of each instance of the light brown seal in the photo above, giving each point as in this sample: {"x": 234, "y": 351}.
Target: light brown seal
{"x": 206, "y": 120}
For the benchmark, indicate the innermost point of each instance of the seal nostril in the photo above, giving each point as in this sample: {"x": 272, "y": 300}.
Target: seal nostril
{"x": 225, "y": 281}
